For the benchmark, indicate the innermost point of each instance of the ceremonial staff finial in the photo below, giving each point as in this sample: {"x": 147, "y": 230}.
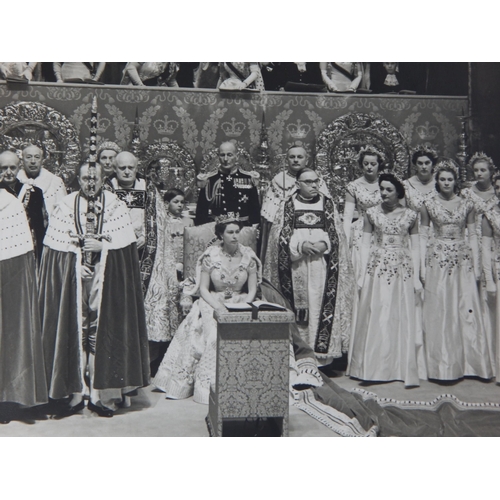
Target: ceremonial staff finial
{"x": 93, "y": 211}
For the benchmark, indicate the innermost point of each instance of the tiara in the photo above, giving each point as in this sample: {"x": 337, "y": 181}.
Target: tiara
{"x": 371, "y": 151}
{"x": 108, "y": 145}
{"x": 425, "y": 149}
{"x": 226, "y": 218}
{"x": 447, "y": 163}
{"x": 480, "y": 156}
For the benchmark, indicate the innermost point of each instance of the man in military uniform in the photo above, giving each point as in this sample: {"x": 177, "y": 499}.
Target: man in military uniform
{"x": 230, "y": 189}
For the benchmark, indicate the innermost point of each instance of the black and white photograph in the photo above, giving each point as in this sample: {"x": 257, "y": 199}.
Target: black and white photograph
{"x": 250, "y": 249}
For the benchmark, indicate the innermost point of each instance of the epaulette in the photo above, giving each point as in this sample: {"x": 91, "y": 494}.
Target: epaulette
{"x": 202, "y": 178}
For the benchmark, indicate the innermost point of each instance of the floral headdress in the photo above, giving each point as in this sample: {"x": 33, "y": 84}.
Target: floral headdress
{"x": 424, "y": 150}
{"x": 393, "y": 173}
{"x": 480, "y": 156}
{"x": 447, "y": 163}
{"x": 371, "y": 151}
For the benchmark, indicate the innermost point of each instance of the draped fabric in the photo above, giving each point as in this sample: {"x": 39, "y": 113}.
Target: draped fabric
{"x": 60, "y": 324}
{"x": 200, "y": 120}
{"x": 121, "y": 358}
{"x": 22, "y": 377}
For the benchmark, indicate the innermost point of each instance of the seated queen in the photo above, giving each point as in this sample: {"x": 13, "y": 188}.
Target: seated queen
{"x": 226, "y": 272}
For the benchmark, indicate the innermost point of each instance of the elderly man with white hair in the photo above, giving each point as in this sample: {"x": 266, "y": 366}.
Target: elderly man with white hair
{"x": 34, "y": 174}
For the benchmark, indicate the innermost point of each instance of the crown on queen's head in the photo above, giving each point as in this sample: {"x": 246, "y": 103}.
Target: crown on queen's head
{"x": 227, "y": 218}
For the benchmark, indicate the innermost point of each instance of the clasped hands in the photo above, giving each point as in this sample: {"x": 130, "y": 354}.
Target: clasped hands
{"x": 311, "y": 249}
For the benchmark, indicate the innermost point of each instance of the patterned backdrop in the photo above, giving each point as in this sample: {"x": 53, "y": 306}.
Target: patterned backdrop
{"x": 199, "y": 120}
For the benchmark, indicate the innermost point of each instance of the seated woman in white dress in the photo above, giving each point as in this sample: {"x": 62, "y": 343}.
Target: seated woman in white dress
{"x": 383, "y": 343}
{"x": 226, "y": 272}
{"x": 454, "y": 329}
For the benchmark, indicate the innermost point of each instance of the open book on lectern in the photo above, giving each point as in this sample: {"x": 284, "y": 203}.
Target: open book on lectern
{"x": 255, "y": 307}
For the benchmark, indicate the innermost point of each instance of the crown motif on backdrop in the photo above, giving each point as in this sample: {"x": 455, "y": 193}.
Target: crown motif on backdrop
{"x": 371, "y": 151}
{"x": 480, "y": 156}
{"x": 448, "y": 163}
{"x": 424, "y": 149}
{"x": 226, "y": 218}
{"x": 102, "y": 124}
{"x": 166, "y": 126}
{"x": 233, "y": 129}
{"x": 298, "y": 131}
{"x": 427, "y": 132}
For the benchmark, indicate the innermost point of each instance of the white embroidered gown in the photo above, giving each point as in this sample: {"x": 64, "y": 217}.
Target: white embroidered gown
{"x": 188, "y": 367}
{"x": 482, "y": 207}
{"x": 454, "y": 331}
{"x": 364, "y": 200}
{"x": 383, "y": 336}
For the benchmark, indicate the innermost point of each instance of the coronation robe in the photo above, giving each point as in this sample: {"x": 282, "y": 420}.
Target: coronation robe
{"x": 32, "y": 199}
{"x": 157, "y": 262}
{"x": 320, "y": 289}
{"x": 121, "y": 347}
{"x": 52, "y": 186}
{"x": 22, "y": 377}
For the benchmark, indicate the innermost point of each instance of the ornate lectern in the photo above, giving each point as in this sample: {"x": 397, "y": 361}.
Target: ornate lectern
{"x": 251, "y": 382}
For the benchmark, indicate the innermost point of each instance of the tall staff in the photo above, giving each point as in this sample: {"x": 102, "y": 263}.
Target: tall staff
{"x": 94, "y": 206}
{"x": 90, "y": 216}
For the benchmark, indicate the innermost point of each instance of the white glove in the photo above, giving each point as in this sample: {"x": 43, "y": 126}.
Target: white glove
{"x": 424, "y": 238}
{"x": 348, "y": 214}
{"x": 365, "y": 253}
{"x": 415, "y": 257}
{"x": 471, "y": 228}
{"x": 490, "y": 283}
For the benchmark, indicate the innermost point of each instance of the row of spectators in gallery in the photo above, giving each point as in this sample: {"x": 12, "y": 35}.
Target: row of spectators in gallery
{"x": 420, "y": 78}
